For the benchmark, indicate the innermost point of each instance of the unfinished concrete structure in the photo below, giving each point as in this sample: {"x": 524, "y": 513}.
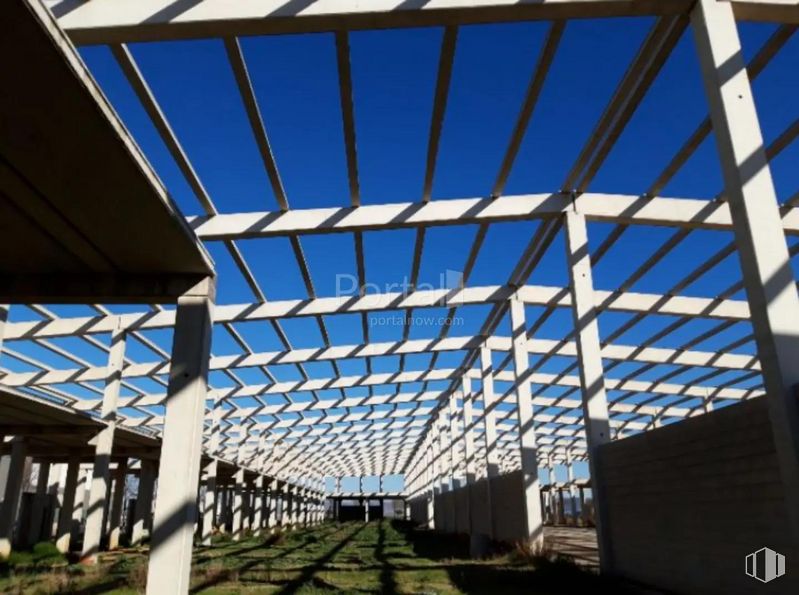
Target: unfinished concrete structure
{"x": 469, "y": 454}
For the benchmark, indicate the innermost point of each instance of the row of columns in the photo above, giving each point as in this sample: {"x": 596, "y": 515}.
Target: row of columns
{"x": 250, "y": 506}
{"x": 67, "y": 487}
{"x": 768, "y": 280}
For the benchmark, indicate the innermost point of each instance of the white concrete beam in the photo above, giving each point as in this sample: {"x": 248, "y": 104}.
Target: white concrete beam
{"x": 106, "y": 21}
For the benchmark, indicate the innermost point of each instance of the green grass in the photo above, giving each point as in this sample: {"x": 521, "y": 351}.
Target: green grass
{"x": 378, "y": 557}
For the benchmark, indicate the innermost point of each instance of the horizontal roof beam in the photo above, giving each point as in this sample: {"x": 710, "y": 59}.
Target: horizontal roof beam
{"x": 654, "y": 355}
{"x": 537, "y": 295}
{"x": 117, "y": 21}
{"x": 613, "y": 208}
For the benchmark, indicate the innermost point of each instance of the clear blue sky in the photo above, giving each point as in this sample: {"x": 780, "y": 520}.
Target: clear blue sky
{"x": 394, "y": 72}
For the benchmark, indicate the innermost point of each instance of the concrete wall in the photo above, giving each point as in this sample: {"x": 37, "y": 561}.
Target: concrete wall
{"x": 465, "y": 510}
{"x": 689, "y": 501}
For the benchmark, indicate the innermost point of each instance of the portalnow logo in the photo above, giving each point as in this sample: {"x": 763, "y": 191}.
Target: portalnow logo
{"x": 765, "y": 565}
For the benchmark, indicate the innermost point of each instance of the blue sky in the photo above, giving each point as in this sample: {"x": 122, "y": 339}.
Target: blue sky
{"x": 394, "y": 74}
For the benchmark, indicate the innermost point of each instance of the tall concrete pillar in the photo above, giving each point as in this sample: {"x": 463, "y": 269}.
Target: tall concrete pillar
{"x": 39, "y": 502}
{"x": 456, "y": 464}
{"x": 238, "y": 498}
{"x": 179, "y": 472}
{"x": 104, "y": 443}
{"x": 64, "y": 530}
{"x": 592, "y": 379}
{"x": 209, "y": 478}
{"x": 468, "y": 430}
{"x": 271, "y": 503}
{"x": 489, "y": 431}
{"x": 209, "y": 500}
{"x": 142, "y": 514}
{"x": 258, "y": 510}
{"x": 572, "y": 487}
{"x": 82, "y": 501}
{"x": 533, "y": 523}
{"x": 11, "y": 496}
{"x": 115, "y": 529}
{"x": 432, "y": 484}
{"x": 762, "y": 248}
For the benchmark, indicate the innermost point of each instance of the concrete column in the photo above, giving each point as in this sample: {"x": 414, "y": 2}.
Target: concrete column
{"x": 209, "y": 478}
{"x": 104, "y": 443}
{"x": 209, "y": 501}
{"x": 238, "y": 499}
{"x": 286, "y": 503}
{"x": 82, "y": 502}
{"x": 258, "y": 508}
{"x": 456, "y": 464}
{"x": 549, "y": 498}
{"x": 3, "y": 321}
{"x": 432, "y": 484}
{"x": 533, "y": 523}
{"x": 468, "y": 430}
{"x": 39, "y": 501}
{"x": 142, "y": 514}
{"x": 592, "y": 380}
{"x": 13, "y": 491}
{"x": 572, "y": 489}
{"x": 272, "y": 502}
{"x": 11, "y": 496}
{"x": 765, "y": 262}
{"x": 64, "y": 531}
{"x": 489, "y": 430}
{"x": 179, "y": 472}
{"x": 115, "y": 529}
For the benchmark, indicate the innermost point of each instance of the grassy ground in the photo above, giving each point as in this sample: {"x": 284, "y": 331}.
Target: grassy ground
{"x": 379, "y": 557}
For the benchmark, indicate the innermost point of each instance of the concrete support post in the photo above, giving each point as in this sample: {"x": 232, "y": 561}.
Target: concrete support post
{"x": 209, "y": 501}
{"x": 592, "y": 379}
{"x": 238, "y": 499}
{"x": 115, "y": 528}
{"x": 288, "y": 506}
{"x": 64, "y": 530}
{"x": 104, "y": 444}
{"x": 258, "y": 505}
{"x": 468, "y": 430}
{"x": 572, "y": 488}
{"x": 3, "y": 321}
{"x": 11, "y": 496}
{"x": 142, "y": 514}
{"x": 444, "y": 460}
{"x": 550, "y": 510}
{"x": 209, "y": 504}
{"x": 271, "y": 519}
{"x": 765, "y": 262}
{"x": 533, "y": 523}
{"x": 179, "y": 472}
{"x": 82, "y": 500}
{"x": 456, "y": 463}
{"x": 39, "y": 501}
{"x": 489, "y": 430}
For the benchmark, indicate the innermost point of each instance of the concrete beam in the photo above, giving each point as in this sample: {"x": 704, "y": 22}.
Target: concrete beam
{"x": 115, "y": 21}
{"x": 537, "y": 295}
{"x": 621, "y": 209}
